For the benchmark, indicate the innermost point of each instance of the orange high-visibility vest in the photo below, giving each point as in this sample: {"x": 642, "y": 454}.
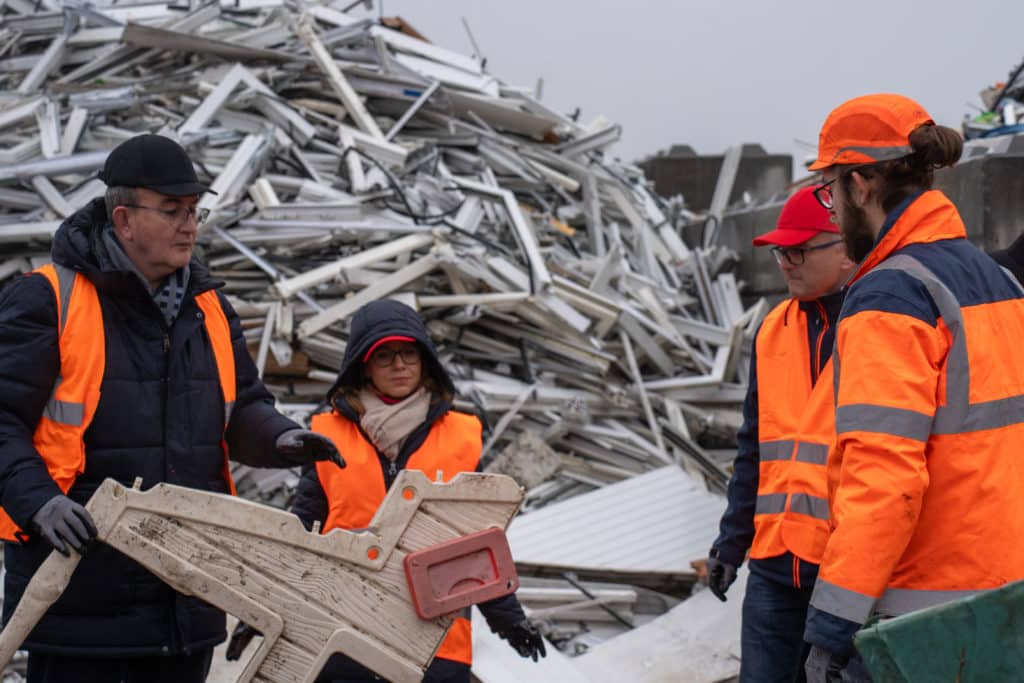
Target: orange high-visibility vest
{"x": 76, "y": 393}
{"x": 795, "y": 430}
{"x": 355, "y": 492}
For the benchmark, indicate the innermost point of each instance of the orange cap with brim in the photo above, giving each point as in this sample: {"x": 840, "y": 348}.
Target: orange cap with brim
{"x": 801, "y": 218}
{"x": 869, "y": 129}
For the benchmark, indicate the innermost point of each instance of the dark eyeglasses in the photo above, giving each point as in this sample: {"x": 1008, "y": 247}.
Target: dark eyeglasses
{"x": 178, "y": 215}
{"x": 797, "y": 255}
{"x": 382, "y": 358}
{"x": 823, "y": 193}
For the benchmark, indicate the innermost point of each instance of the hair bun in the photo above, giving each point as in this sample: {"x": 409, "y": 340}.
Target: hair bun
{"x": 937, "y": 146}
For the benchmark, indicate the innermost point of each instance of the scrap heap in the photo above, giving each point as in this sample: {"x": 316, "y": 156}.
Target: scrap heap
{"x": 354, "y": 160}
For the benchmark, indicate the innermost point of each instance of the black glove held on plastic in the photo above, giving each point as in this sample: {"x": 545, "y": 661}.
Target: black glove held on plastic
{"x": 63, "y": 522}
{"x": 240, "y": 639}
{"x": 302, "y": 446}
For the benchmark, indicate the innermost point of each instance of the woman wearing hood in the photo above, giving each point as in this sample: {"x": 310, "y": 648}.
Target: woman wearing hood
{"x": 391, "y": 409}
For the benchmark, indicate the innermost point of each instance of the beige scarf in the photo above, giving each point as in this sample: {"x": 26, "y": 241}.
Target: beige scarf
{"x": 389, "y": 425}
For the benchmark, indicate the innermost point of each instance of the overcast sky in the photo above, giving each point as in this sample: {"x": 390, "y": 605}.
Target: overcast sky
{"x": 714, "y": 73}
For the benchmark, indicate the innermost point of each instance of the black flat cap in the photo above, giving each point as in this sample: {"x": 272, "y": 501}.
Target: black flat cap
{"x": 155, "y": 163}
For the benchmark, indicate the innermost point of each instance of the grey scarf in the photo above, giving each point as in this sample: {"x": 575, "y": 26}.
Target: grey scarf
{"x": 169, "y": 295}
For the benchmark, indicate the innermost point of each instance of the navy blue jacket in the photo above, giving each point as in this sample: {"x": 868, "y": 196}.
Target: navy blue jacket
{"x": 160, "y": 417}
{"x": 736, "y": 530}
{"x": 375, "y": 321}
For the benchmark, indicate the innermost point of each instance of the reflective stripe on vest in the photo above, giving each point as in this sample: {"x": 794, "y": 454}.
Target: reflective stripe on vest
{"x": 59, "y": 436}
{"x": 354, "y": 493}
{"x": 858, "y": 607}
{"x": 795, "y": 431}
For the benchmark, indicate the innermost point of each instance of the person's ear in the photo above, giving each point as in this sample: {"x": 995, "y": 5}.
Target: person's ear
{"x": 122, "y": 224}
{"x": 861, "y": 189}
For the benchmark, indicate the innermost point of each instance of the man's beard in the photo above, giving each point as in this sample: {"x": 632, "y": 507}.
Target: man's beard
{"x": 855, "y": 231}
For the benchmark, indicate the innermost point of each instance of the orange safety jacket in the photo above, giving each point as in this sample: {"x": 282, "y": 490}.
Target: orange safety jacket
{"x": 59, "y": 434}
{"x": 795, "y": 429}
{"x": 355, "y": 492}
{"x": 928, "y": 501}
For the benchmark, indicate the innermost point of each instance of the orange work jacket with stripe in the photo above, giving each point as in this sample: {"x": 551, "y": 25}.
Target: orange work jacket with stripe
{"x": 795, "y": 430}
{"x": 926, "y": 475}
{"x": 354, "y": 493}
{"x": 59, "y": 435}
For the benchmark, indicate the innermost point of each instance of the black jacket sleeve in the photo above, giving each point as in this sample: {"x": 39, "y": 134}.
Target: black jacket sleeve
{"x": 736, "y": 530}
{"x": 29, "y": 365}
{"x": 310, "y": 504}
{"x": 255, "y": 424}
{"x": 501, "y": 614}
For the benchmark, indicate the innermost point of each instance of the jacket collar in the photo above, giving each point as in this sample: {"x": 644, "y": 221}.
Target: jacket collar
{"x": 921, "y": 218}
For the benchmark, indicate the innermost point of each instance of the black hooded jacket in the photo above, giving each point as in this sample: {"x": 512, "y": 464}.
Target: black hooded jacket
{"x": 372, "y": 322}
{"x": 160, "y": 417}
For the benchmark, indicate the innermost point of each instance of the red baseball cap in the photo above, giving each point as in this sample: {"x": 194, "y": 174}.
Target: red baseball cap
{"x": 385, "y": 340}
{"x": 802, "y": 218}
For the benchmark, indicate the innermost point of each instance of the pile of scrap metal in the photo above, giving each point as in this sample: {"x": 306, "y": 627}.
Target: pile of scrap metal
{"x": 354, "y": 160}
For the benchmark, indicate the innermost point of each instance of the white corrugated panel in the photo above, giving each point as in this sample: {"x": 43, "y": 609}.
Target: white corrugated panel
{"x": 698, "y": 641}
{"x": 659, "y": 521}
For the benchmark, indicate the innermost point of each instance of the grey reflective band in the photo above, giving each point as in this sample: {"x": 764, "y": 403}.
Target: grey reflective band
{"x": 814, "y": 453}
{"x": 1013, "y": 280}
{"x": 770, "y": 503}
{"x": 897, "y": 601}
{"x": 841, "y": 602}
{"x": 981, "y": 416}
{"x": 863, "y": 417}
{"x": 466, "y": 612}
{"x": 776, "y": 450}
{"x": 66, "y": 284}
{"x": 809, "y": 505}
{"x": 228, "y": 407}
{"x": 878, "y": 153}
{"x": 65, "y": 413}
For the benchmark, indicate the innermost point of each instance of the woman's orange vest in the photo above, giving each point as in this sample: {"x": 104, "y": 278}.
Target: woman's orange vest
{"x": 355, "y": 492}
{"x": 59, "y": 435}
{"x": 795, "y": 431}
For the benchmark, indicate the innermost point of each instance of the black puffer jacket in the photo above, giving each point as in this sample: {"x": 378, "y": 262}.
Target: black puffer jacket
{"x": 160, "y": 417}
{"x": 375, "y": 321}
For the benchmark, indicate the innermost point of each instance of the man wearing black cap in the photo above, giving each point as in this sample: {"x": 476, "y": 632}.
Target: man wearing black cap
{"x": 120, "y": 359}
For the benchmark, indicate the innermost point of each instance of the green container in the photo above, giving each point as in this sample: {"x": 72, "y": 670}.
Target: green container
{"x": 979, "y": 639}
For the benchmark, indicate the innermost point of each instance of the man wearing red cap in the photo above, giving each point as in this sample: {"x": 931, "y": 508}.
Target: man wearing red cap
{"x": 926, "y": 484}
{"x": 777, "y": 494}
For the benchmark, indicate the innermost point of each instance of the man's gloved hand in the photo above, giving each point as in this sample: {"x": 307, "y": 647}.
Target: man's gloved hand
{"x": 240, "y": 639}
{"x": 720, "y": 577}
{"x": 63, "y": 522}
{"x": 302, "y": 446}
{"x": 823, "y": 666}
{"x": 525, "y": 639}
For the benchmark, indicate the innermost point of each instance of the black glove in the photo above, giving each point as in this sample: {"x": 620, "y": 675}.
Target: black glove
{"x": 720, "y": 577}
{"x": 525, "y": 639}
{"x": 63, "y": 522}
{"x": 823, "y": 666}
{"x": 240, "y": 639}
{"x": 302, "y": 446}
